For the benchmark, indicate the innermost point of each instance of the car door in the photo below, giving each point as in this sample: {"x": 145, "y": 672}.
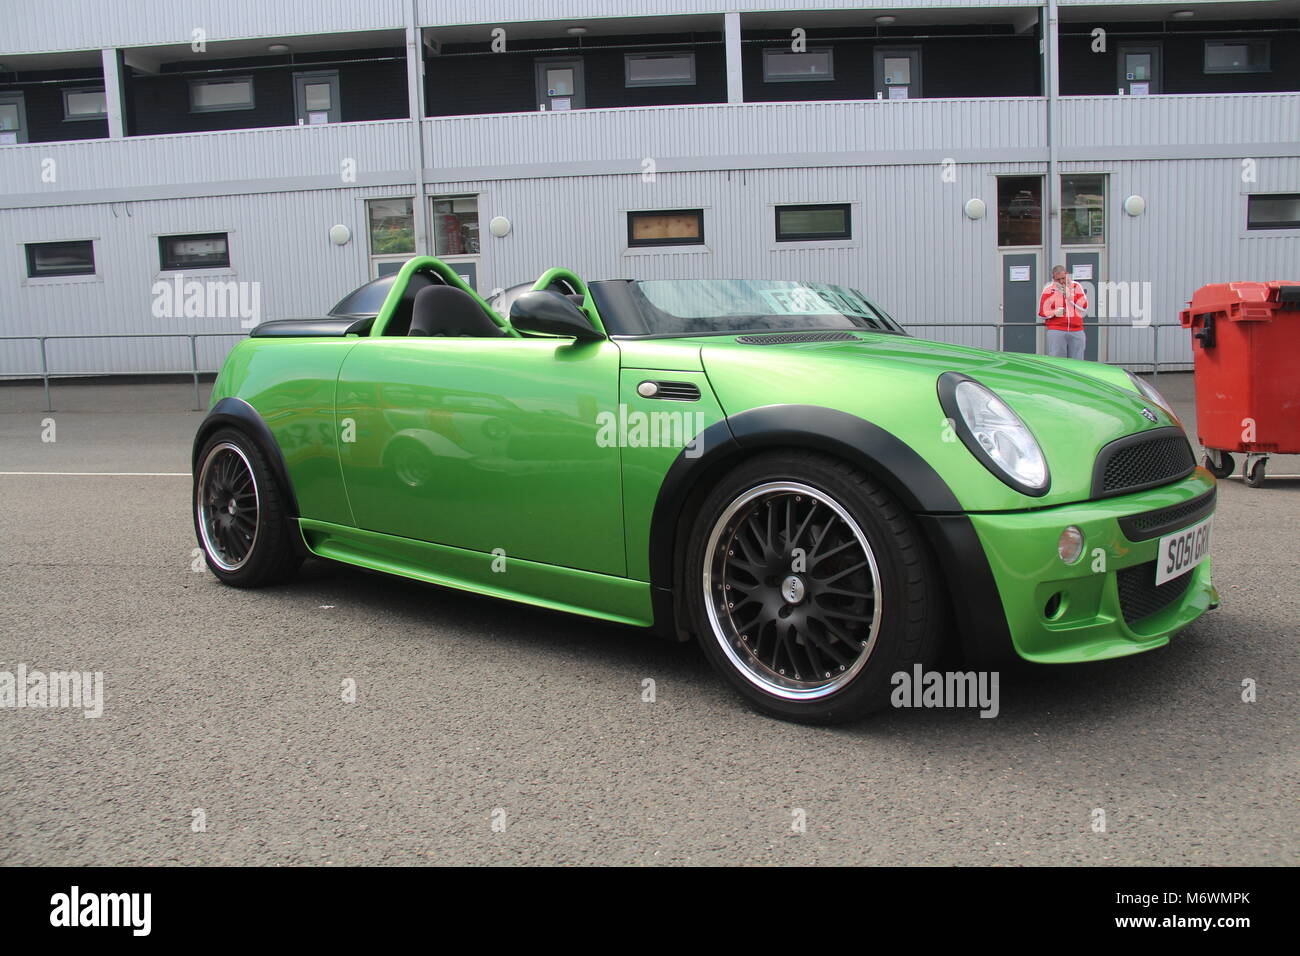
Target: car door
{"x": 486, "y": 444}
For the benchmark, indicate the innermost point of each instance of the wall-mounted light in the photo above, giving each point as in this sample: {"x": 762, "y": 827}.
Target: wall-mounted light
{"x": 1182, "y": 14}
{"x": 1135, "y": 205}
{"x": 340, "y": 234}
{"x": 499, "y": 226}
{"x": 974, "y": 209}
{"x": 278, "y": 48}
{"x": 576, "y": 31}
{"x": 886, "y": 20}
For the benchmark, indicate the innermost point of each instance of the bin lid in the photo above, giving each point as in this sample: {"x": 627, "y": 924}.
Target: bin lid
{"x": 1243, "y": 301}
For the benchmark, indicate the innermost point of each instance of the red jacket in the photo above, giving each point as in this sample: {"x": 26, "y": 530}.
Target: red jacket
{"x": 1075, "y": 309}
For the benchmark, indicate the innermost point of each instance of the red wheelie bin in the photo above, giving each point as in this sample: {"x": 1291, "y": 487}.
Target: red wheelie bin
{"x": 1246, "y": 345}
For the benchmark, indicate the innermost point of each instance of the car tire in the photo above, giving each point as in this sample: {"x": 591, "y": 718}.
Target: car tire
{"x": 815, "y": 638}
{"x": 240, "y": 518}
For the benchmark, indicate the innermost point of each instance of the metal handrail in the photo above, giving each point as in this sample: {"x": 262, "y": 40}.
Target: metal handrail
{"x": 45, "y": 374}
{"x": 1001, "y": 327}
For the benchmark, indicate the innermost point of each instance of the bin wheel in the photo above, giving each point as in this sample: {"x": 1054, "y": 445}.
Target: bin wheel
{"x": 1225, "y": 464}
{"x": 1255, "y": 475}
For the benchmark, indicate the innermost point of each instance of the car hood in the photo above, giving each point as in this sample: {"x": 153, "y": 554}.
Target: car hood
{"x": 1073, "y": 409}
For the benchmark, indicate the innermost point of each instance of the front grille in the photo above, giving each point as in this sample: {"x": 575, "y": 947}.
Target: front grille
{"x": 1140, "y": 461}
{"x": 1153, "y": 524}
{"x": 1139, "y": 597}
{"x": 790, "y": 338}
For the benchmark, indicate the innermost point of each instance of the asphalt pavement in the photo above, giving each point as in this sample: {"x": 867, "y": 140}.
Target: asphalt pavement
{"x": 486, "y": 732}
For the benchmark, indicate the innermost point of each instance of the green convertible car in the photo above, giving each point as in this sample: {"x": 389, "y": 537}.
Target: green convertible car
{"x": 774, "y": 468}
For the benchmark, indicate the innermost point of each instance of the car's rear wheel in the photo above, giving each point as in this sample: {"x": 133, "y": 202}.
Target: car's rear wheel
{"x": 239, "y": 513}
{"x": 809, "y": 586}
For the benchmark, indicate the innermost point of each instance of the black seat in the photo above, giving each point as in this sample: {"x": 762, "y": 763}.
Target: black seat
{"x": 446, "y": 310}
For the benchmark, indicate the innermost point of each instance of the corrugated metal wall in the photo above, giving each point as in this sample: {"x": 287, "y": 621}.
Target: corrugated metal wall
{"x": 758, "y": 131}
{"x": 141, "y": 164}
{"x": 278, "y": 240}
{"x": 95, "y": 24}
{"x": 567, "y": 180}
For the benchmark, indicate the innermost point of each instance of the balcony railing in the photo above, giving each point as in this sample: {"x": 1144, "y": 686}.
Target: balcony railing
{"x": 674, "y": 137}
{"x": 1179, "y": 120}
{"x": 284, "y": 152}
{"x": 706, "y": 132}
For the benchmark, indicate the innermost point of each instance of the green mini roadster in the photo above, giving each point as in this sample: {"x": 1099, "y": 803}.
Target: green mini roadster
{"x": 773, "y": 467}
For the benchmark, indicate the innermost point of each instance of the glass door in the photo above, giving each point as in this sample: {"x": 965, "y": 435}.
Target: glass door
{"x": 560, "y": 85}
{"x": 1139, "y": 69}
{"x": 317, "y": 97}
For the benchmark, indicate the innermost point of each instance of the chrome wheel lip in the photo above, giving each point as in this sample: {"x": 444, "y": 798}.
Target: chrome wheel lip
{"x": 770, "y": 683}
{"x": 204, "y": 512}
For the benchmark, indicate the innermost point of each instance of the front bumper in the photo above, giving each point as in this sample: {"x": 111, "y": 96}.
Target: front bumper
{"x": 1087, "y": 622}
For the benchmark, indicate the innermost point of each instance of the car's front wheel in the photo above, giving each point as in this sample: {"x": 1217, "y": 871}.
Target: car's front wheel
{"x": 239, "y": 513}
{"x": 809, "y": 586}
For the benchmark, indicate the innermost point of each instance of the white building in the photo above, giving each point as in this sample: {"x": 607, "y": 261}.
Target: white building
{"x": 664, "y": 138}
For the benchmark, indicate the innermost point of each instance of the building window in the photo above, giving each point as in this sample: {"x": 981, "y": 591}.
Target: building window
{"x": 659, "y": 69}
{"x": 1083, "y": 210}
{"x": 392, "y": 227}
{"x": 783, "y": 66}
{"x": 13, "y": 119}
{"x": 1273, "y": 211}
{"x": 392, "y": 234}
{"x": 1236, "y": 56}
{"x": 228, "y": 93}
{"x": 1020, "y": 210}
{"x": 74, "y": 258}
{"x": 822, "y": 221}
{"x": 898, "y": 72}
{"x": 84, "y": 104}
{"x": 671, "y": 227}
{"x": 455, "y": 226}
{"x": 207, "y": 251}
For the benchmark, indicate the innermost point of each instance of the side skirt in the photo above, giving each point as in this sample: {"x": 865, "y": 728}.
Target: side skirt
{"x": 601, "y": 596}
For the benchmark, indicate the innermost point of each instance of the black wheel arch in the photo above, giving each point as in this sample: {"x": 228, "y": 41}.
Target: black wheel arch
{"x": 237, "y": 413}
{"x": 969, "y": 580}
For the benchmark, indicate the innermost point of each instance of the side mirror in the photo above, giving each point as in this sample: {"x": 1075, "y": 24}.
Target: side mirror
{"x": 551, "y": 313}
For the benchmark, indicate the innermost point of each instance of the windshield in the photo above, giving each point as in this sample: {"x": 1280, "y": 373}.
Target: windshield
{"x": 728, "y": 306}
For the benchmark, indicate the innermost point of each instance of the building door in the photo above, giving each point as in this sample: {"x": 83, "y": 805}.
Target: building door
{"x": 317, "y": 97}
{"x": 13, "y": 119}
{"x": 1139, "y": 68}
{"x": 560, "y": 85}
{"x": 1020, "y": 292}
{"x": 1084, "y": 267}
{"x": 1083, "y": 243}
{"x": 898, "y": 72}
{"x": 1020, "y": 244}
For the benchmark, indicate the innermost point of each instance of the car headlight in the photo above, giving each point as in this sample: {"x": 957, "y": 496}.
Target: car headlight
{"x": 1152, "y": 394}
{"x": 994, "y": 434}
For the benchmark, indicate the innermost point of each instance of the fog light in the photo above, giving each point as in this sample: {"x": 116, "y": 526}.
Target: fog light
{"x": 1070, "y": 545}
{"x": 1053, "y": 606}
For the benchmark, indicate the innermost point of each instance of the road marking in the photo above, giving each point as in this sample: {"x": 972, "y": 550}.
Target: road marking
{"x": 104, "y": 474}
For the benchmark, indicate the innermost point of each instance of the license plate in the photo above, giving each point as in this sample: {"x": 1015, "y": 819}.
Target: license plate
{"x": 1183, "y": 550}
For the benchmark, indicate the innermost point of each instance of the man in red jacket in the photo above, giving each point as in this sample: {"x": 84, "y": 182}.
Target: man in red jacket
{"x": 1064, "y": 304}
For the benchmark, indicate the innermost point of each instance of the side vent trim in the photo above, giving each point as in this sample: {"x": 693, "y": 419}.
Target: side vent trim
{"x": 669, "y": 391}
